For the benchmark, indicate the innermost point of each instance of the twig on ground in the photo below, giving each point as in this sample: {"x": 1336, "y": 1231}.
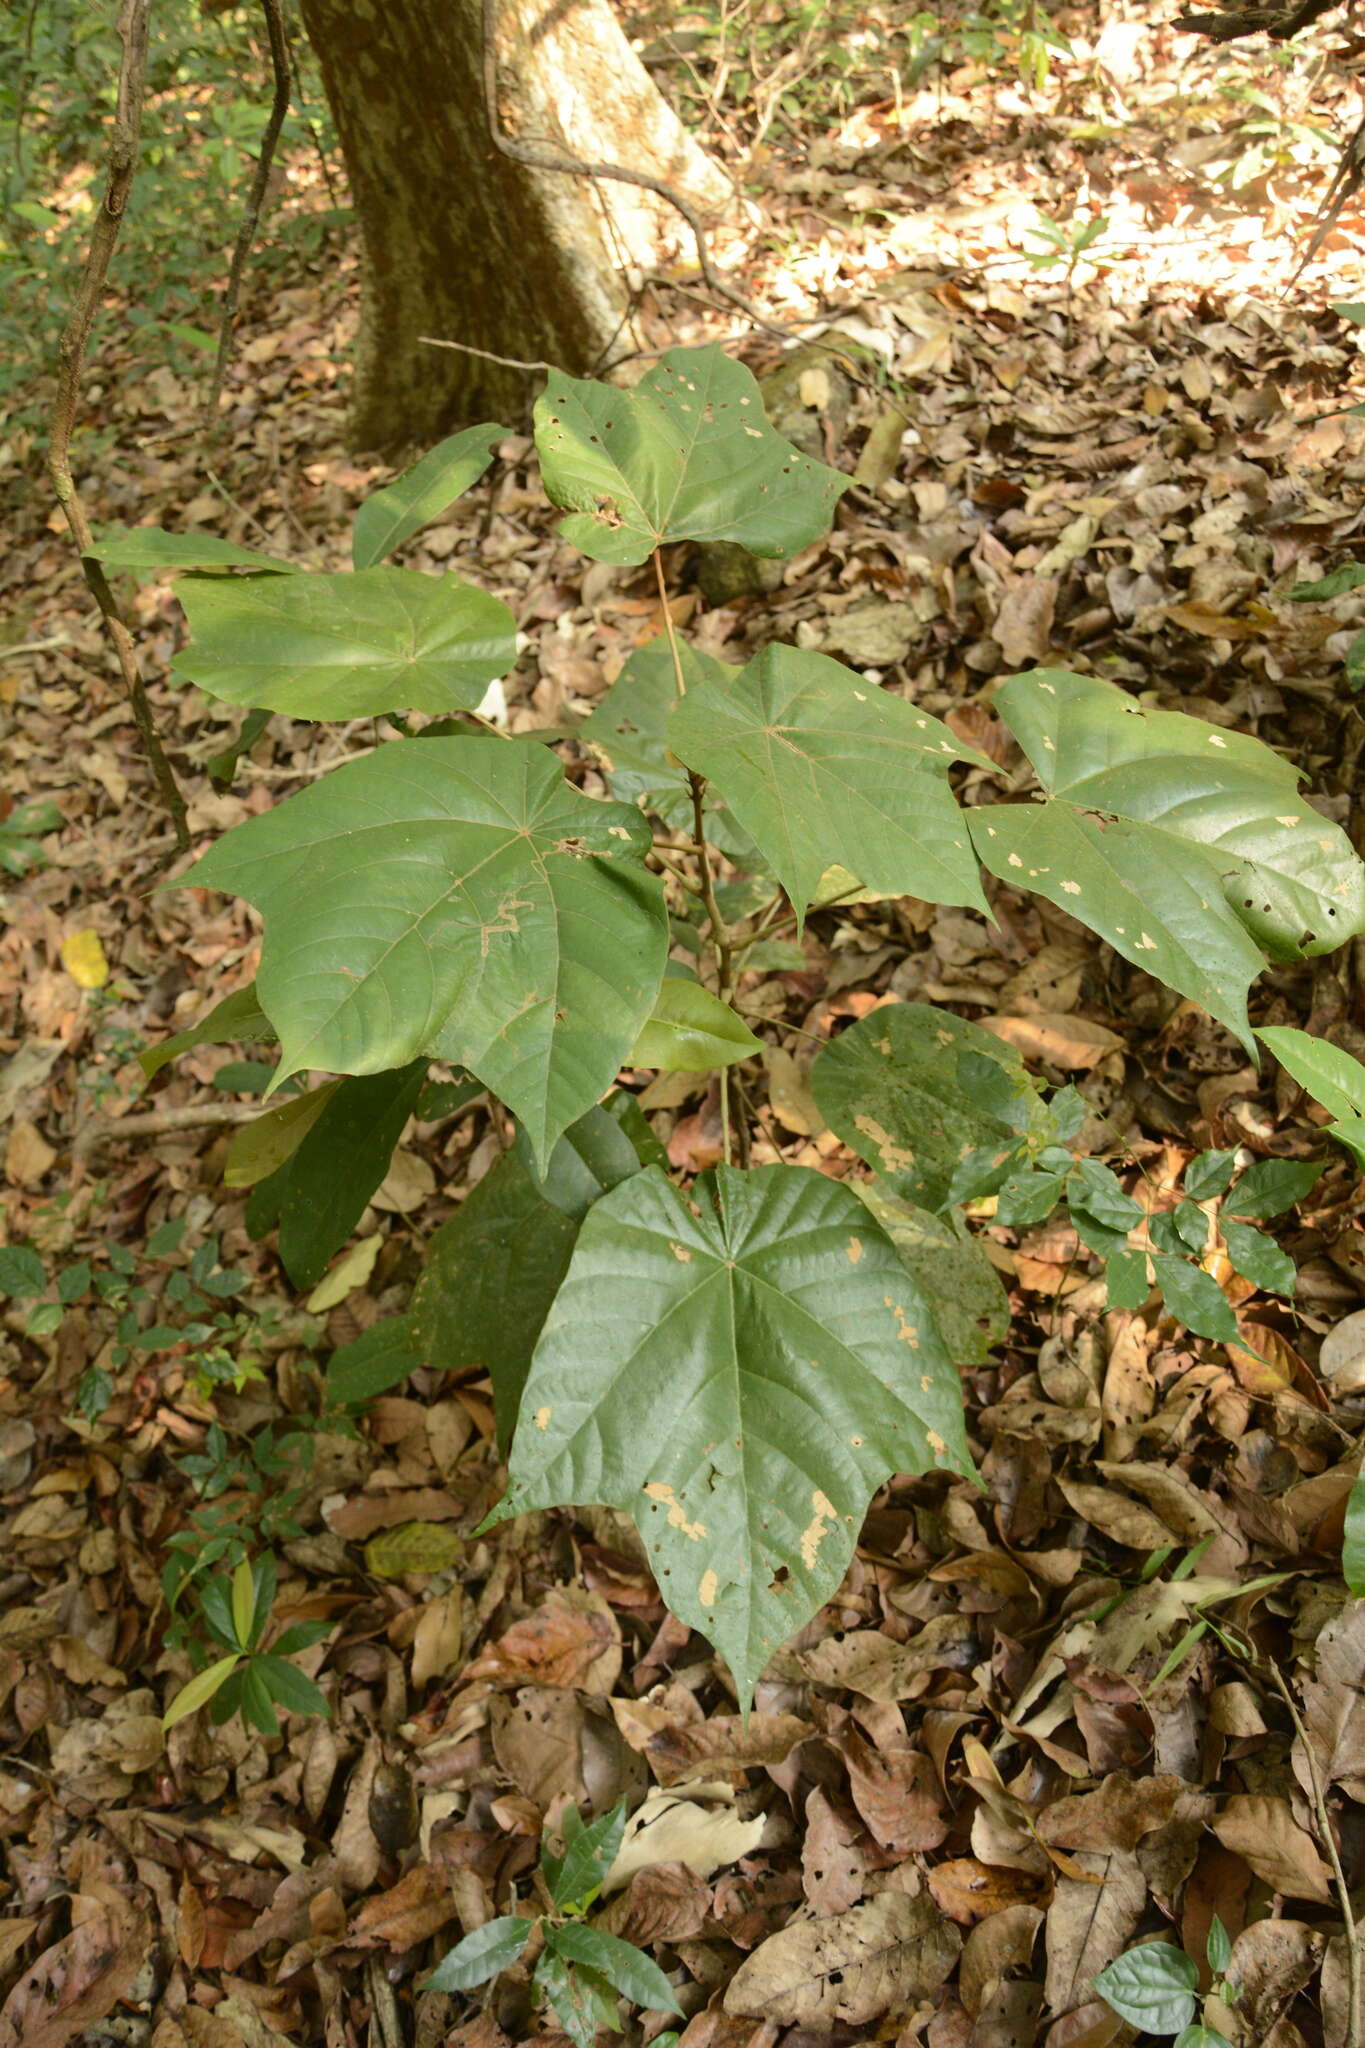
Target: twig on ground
{"x": 132, "y": 31}
{"x": 159, "y": 1123}
{"x": 246, "y": 233}
{"x": 36, "y": 646}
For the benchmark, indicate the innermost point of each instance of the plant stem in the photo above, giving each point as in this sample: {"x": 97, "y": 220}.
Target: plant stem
{"x": 1329, "y": 1843}
{"x": 767, "y": 929}
{"x": 673, "y": 648}
{"x": 122, "y": 161}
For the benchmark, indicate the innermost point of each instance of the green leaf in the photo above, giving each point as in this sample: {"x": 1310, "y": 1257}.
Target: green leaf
{"x": 1348, "y": 577}
{"x": 1273, "y": 1185}
{"x": 1218, "y": 1947}
{"x": 1195, "y": 1299}
{"x": 593, "y": 1155}
{"x": 492, "y": 1271}
{"x": 1126, "y": 1274}
{"x": 627, "y": 735}
{"x": 288, "y": 1687}
{"x": 237, "y": 1020}
{"x": 1210, "y": 1173}
{"x": 200, "y": 1690}
{"x": 483, "y": 1954}
{"x": 345, "y": 646}
{"x": 1353, "y": 1541}
{"x": 583, "y": 2002}
{"x": 971, "y": 1308}
{"x": 493, "y": 1268}
{"x": 692, "y": 1031}
{"x": 260, "y": 1148}
{"x": 151, "y": 551}
{"x": 381, "y": 1358}
{"x": 575, "y": 1878}
{"x": 891, "y": 1089}
{"x": 1199, "y": 2037}
{"x": 402, "y": 508}
{"x": 822, "y": 770}
{"x": 634, "y": 1975}
{"x": 1332, "y": 1077}
{"x": 1186, "y": 847}
{"x": 455, "y": 897}
{"x": 737, "y": 1370}
{"x": 1258, "y": 1258}
{"x": 21, "y": 1272}
{"x": 685, "y": 454}
{"x": 1096, "y": 1189}
{"x": 1350, "y": 1132}
{"x": 320, "y": 1192}
{"x": 1152, "y": 1987}
{"x": 1351, "y": 312}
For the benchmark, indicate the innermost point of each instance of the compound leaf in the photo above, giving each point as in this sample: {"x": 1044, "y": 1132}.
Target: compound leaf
{"x": 824, "y": 770}
{"x": 1186, "y": 847}
{"x": 737, "y": 1370}
{"x": 902, "y": 1088}
{"x": 686, "y": 454}
{"x": 389, "y": 517}
{"x": 345, "y": 646}
{"x": 459, "y": 898}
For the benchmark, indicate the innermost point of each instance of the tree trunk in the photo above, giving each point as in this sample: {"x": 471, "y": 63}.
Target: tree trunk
{"x": 463, "y": 242}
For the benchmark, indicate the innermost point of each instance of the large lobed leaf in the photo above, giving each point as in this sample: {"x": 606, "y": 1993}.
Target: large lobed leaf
{"x": 1186, "y": 847}
{"x": 737, "y": 1370}
{"x": 454, "y": 897}
{"x": 824, "y": 770}
{"x": 345, "y": 646}
{"x": 687, "y": 454}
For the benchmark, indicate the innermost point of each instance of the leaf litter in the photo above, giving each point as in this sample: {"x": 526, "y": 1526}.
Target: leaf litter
{"x": 1011, "y": 1744}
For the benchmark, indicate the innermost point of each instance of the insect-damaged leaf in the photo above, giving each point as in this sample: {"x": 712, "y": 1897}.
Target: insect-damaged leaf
{"x": 738, "y": 1372}
{"x": 918, "y": 1093}
{"x": 455, "y": 897}
{"x": 686, "y": 454}
{"x": 1186, "y": 847}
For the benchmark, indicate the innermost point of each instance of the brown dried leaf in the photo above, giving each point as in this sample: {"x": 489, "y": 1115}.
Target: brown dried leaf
{"x": 880, "y": 1957}
{"x": 1264, "y": 1833}
{"x": 1088, "y": 1924}
{"x": 77, "y": 1981}
{"x": 724, "y": 1743}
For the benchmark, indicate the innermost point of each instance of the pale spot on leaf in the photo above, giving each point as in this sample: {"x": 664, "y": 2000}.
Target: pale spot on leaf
{"x": 1071, "y": 888}
{"x": 855, "y": 1250}
{"x": 895, "y": 1158}
{"x": 707, "y": 1590}
{"x": 814, "y": 1533}
{"x": 543, "y": 1418}
{"x": 677, "y": 1514}
{"x": 680, "y": 1252}
{"x": 1015, "y": 861}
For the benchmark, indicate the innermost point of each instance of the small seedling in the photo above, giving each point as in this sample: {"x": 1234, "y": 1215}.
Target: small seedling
{"x": 1153, "y": 1987}
{"x": 248, "y": 1680}
{"x": 581, "y": 1973}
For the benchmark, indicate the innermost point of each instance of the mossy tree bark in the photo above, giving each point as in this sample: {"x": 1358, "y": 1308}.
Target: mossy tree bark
{"x": 464, "y": 242}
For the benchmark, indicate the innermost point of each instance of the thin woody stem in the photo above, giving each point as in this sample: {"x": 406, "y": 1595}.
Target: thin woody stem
{"x": 132, "y": 31}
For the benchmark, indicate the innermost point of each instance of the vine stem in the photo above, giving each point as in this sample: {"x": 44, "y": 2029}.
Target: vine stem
{"x": 1329, "y": 1843}
{"x": 122, "y": 161}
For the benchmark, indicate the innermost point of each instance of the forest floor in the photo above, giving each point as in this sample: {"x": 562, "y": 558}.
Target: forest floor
{"x": 1050, "y": 1708}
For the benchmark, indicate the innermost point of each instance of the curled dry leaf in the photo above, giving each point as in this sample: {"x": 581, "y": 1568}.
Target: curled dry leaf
{"x": 699, "y": 1828}
{"x": 880, "y": 1957}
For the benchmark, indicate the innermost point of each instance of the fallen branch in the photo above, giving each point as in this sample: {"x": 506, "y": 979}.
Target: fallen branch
{"x": 132, "y": 30}
{"x": 159, "y": 1123}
